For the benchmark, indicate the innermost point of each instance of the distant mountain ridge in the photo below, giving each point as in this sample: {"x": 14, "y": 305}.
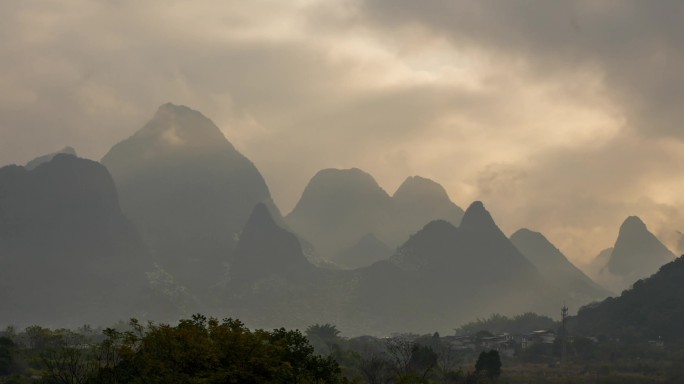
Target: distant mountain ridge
{"x": 418, "y": 201}
{"x": 46, "y": 158}
{"x": 68, "y": 256}
{"x": 180, "y": 220}
{"x": 424, "y": 286}
{"x": 594, "y": 267}
{"x": 339, "y": 207}
{"x": 637, "y": 253}
{"x": 443, "y": 269}
{"x": 557, "y": 269}
{"x": 188, "y": 191}
{"x": 270, "y": 278}
{"x": 256, "y": 259}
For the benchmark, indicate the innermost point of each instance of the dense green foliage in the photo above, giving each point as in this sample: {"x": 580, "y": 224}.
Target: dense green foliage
{"x": 652, "y": 309}
{"x": 197, "y": 350}
{"x": 206, "y": 351}
{"x": 6, "y": 349}
{"x": 489, "y": 363}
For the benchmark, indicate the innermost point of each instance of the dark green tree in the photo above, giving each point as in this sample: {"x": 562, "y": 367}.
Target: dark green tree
{"x": 68, "y": 359}
{"x": 423, "y": 361}
{"x": 375, "y": 369}
{"x": 6, "y": 355}
{"x": 489, "y": 363}
{"x": 323, "y": 337}
{"x": 201, "y": 350}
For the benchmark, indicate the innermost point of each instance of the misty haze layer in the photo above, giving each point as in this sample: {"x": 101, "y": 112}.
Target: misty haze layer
{"x": 345, "y": 211}
{"x": 637, "y": 253}
{"x": 563, "y": 116}
{"x": 188, "y": 191}
{"x": 68, "y": 256}
{"x": 197, "y": 230}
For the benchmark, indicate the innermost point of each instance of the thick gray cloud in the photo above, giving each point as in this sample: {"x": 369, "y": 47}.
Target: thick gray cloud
{"x": 562, "y": 116}
{"x": 578, "y": 197}
{"x": 634, "y": 46}
{"x": 633, "y": 50}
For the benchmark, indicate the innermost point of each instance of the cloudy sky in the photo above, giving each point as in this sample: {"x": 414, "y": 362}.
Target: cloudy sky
{"x": 564, "y": 117}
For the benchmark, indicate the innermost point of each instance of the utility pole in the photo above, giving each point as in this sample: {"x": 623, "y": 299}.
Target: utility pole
{"x": 564, "y": 333}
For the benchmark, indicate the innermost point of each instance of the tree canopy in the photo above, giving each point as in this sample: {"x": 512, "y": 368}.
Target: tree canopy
{"x": 201, "y": 350}
{"x": 489, "y": 363}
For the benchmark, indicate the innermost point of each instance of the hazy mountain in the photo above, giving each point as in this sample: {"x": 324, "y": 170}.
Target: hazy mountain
{"x": 46, "y": 158}
{"x": 651, "y": 309}
{"x": 435, "y": 244}
{"x": 188, "y": 191}
{"x": 594, "y": 267}
{"x": 637, "y": 253}
{"x": 419, "y": 201}
{"x": 271, "y": 283}
{"x": 482, "y": 237}
{"x": 366, "y": 251}
{"x": 266, "y": 251}
{"x": 442, "y": 276}
{"x": 67, "y": 254}
{"x": 474, "y": 266}
{"x": 555, "y": 267}
{"x": 338, "y": 207}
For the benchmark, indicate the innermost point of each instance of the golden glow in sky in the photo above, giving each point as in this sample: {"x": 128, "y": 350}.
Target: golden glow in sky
{"x": 562, "y": 117}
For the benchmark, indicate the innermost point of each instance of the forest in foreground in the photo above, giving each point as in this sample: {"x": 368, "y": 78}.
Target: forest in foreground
{"x": 206, "y": 350}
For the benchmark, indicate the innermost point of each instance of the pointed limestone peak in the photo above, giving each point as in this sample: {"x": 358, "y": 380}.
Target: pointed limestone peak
{"x": 419, "y": 201}
{"x": 66, "y": 189}
{"x": 261, "y": 232}
{"x": 435, "y": 243}
{"x": 265, "y": 218}
{"x": 536, "y": 247}
{"x": 265, "y": 249}
{"x": 70, "y": 169}
{"x": 525, "y": 233}
{"x": 177, "y": 126}
{"x": 633, "y": 230}
{"x": 47, "y": 158}
{"x": 477, "y": 217}
{"x": 532, "y": 243}
{"x": 172, "y": 108}
{"x": 633, "y": 224}
{"x": 333, "y": 188}
{"x": 338, "y": 207}
{"x": 555, "y": 266}
{"x": 436, "y": 233}
{"x": 261, "y": 217}
{"x": 637, "y": 252}
{"x": 350, "y": 179}
{"x": 418, "y": 188}
{"x": 69, "y": 150}
{"x": 438, "y": 226}
{"x": 176, "y": 111}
